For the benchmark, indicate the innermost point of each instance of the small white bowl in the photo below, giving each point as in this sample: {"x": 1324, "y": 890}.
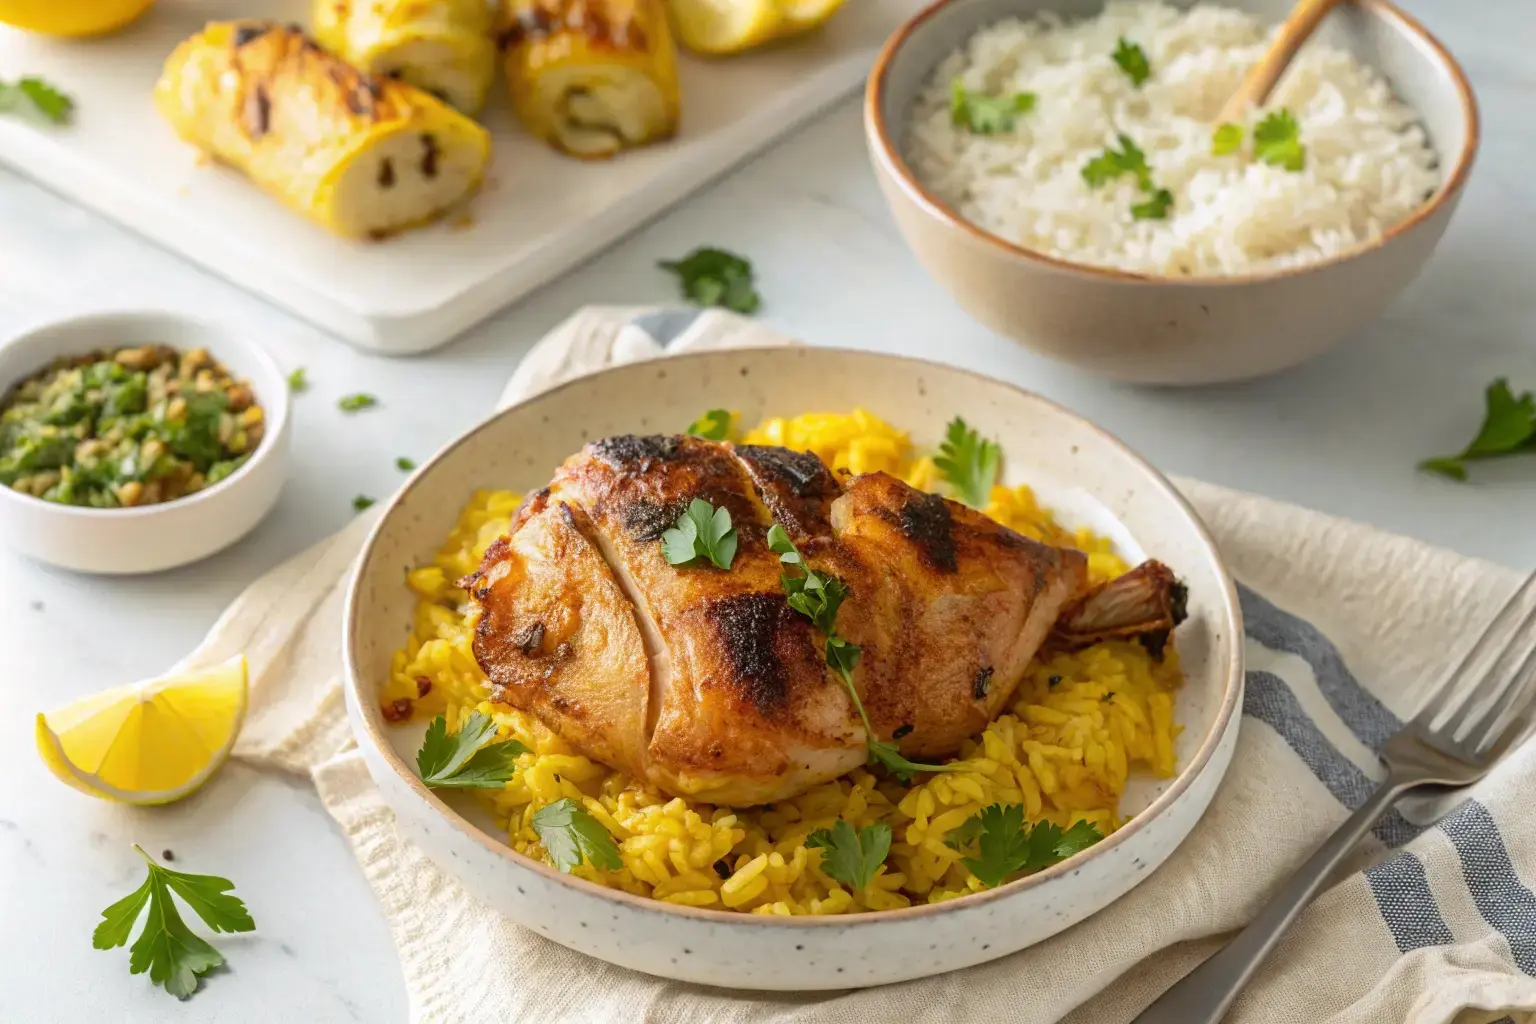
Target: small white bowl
{"x": 148, "y": 538}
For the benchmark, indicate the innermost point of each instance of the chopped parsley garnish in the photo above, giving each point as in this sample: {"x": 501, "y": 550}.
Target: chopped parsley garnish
{"x": 851, "y": 857}
{"x": 357, "y": 402}
{"x": 1001, "y": 843}
{"x": 1509, "y": 428}
{"x": 361, "y": 502}
{"x": 1227, "y": 138}
{"x": 702, "y": 532}
{"x": 983, "y": 114}
{"x": 714, "y": 277}
{"x": 1133, "y": 61}
{"x": 171, "y": 952}
{"x": 37, "y": 96}
{"x": 1155, "y": 207}
{"x": 818, "y": 597}
{"x": 298, "y": 380}
{"x": 968, "y": 462}
{"x": 1277, "y": 141}
{"x": 404, "y": 464}
{"x": 463, "y": 760}
{"x": 714, "y": 425}
{"x": 571, "y": 835}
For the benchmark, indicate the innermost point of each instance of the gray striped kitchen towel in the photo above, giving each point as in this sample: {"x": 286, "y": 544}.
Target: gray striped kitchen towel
{"x": 1434, "y": 923}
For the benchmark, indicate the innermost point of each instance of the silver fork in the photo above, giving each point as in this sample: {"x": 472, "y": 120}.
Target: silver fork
{"x": 1475, "y": 714}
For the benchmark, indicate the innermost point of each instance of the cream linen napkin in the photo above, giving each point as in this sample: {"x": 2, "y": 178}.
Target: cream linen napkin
{"x": 1437, "y": 925}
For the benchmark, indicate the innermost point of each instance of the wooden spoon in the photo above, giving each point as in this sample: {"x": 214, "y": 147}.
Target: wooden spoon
{"x": 1261, "y": 78}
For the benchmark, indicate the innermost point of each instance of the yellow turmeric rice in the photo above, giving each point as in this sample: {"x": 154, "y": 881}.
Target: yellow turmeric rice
{"x": 1078, "y": 726}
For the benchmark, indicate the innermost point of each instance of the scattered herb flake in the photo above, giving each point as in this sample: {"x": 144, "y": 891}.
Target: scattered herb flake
{"x": 714, "y": 425}
{"x": 298, "y": 380}
{"x": 986, "y": 115}
{"x": 1509, "y": 428}
{"x": 39, "y": 97}
{"x": 1228, "y": 138}
{"x": 968, "y": 462}
{"x": 715, "y": 277}
{"x": 1155, "y": 207}
{"x": 1277, "y": 141}
{"x": 571, "y": 835}
{"x": 1112, "y": 163}
{"x": 361, "y": 502}
{"x": 404, "y": 464}
{"x": 171, "y": 952}
{"x": 702, "y": 531}
{"x": 1133, "y": 61}
{"x": 357, "y": 402}
{"x": 851, "y": 857}
{"x": 463, "y": 760}
{"x": 1004, "y": 844}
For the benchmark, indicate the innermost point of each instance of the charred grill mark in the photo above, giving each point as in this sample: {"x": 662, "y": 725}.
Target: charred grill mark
{"x": 635, "y": 453}
{"x": 902, "y": 731}
{"x": 387, "y": 173}
{"x": 494, "y": 553}
{"x": 983, "y": 683}
{"x": 530, "y": 638}
{"x": 429, "y": 153}
{"x": 587, "y": 20}
{"x": 802, "y": 472}
{"x": 250, "y": 33}
{"x": 258, "y": 112}
{"x": 647, "y": 520}
{"x": 924, "y": 520}
{"x": 750, "y": 625}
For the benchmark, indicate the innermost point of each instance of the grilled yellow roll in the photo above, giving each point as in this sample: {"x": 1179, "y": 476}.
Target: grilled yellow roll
{"x": 591, "y": 77}
{"x": 442, "y": 46}
{"x": 362, "y": 156}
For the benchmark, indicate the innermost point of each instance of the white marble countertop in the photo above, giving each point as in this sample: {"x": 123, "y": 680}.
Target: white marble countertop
{"x": 1341, "y": 434}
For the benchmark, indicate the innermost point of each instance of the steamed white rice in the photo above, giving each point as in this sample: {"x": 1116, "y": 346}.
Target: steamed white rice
{"x": 1368, "y": 162}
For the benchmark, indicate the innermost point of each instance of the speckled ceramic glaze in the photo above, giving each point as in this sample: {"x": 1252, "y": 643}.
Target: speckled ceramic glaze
{"x": 1168, "y": 330}
{"x": 1076, "y": 467}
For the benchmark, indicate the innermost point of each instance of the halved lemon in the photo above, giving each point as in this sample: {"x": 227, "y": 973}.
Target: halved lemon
{"x": 72, "y": 17}
{"x": 725, "y": 26}
{"x": 150, "y": 742}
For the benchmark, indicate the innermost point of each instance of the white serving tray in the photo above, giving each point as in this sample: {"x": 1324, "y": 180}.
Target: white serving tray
{"x": 541, "y": 212}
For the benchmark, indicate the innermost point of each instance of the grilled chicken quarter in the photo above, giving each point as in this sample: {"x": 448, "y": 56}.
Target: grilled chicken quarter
{"x": 704, "y": 682}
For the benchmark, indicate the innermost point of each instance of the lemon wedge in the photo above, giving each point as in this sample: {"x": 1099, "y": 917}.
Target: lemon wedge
{"x": 725, "y": 26}
{"x": 150, "y": 742}
{"x": 804, "y": 15}
{"x": 70, "y": 18}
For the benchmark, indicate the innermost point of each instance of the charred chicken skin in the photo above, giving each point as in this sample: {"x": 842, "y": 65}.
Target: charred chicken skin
{"x": 705, "y": 682}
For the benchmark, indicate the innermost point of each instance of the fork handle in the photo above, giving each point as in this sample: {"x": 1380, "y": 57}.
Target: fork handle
{"x": 1206, "y": 993}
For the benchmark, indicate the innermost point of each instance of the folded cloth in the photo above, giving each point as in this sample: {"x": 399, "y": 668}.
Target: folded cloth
{"x": 1436, "y": 923}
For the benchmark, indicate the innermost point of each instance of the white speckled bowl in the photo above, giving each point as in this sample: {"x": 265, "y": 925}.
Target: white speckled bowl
{"x": 1077, "y": 468}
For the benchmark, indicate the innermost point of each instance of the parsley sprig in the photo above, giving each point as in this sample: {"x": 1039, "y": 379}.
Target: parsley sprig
{"x": 702, "y": 532}
{"x": 38, "y": 97}
{"x": 714, "y": 425}
{"x": 172, "y": 953}
{"x": 983, "y": 114}
{"x": 715, "y": 277}
{"x": 1132, "y": 59}
{"x": 1129, "y": 159}
{"x": 463, "y": 760}
{"x": 1277, "y": 141}
{"x": 1001, "y": 843}
{"x": 968, "y": 462}
{"x": 818, "y": 597}
{"x": 1509, "y": 428}
{"x": 570, "y": 835}
{"x": 1227, "y": 138}
{"x": 851, "y": 857}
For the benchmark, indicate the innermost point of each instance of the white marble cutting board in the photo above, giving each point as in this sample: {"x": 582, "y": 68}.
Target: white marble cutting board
{"x": 540, "y": 214}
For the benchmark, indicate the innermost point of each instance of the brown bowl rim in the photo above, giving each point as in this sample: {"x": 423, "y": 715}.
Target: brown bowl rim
{"x": 889, "y": 156}
{"x": 1229, "y": 608}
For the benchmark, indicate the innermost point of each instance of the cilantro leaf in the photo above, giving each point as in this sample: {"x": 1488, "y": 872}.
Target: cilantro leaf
{"x": 298, "y": 380}
{"x": 1508, "y": 428}
{"x": 171, "y": 952}
{"x": 714, "y": 425}
{"x": 1133, "y": 61}
{"x": 1277, "y": 141}
{"x": 1004, "y": 844}
{"x": 571, "y": 835}
{"x": 1228, "y": 138}
{"x": 357, "y": 402}
{"x": 463, "y": 760}
{"x": 703, "y": 531}
{"x": 1112, "y": 163}
{"x": 1155, "y": 207}
{"x": 41, "y": 99}
{"x": 851, "y": 857}
{"x": 968, "y": 462}
{"x": 361, "y": 502}
{"x": 715, "y": 277}
{"x": 983, "y": 114}
{"x": 404, "y": 464}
